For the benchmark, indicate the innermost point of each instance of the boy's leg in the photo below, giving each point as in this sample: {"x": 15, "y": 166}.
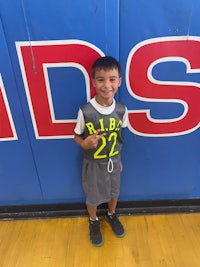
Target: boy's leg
{"x": 94, "y": 227}
{"x": 112, "y": 205}
{"x": 112, "y": 218}
{"x": 92, "y": 212}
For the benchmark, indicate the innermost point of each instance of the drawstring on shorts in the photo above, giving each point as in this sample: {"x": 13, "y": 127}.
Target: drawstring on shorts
{"x": 110, "y": 165}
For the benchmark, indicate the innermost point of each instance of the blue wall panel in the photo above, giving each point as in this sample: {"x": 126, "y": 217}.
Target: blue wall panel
{"x": 158, "y": 167}
{"x": 18, "y": 176}
{"x": 47, "y": 48}
{"x": 58, "y": 160}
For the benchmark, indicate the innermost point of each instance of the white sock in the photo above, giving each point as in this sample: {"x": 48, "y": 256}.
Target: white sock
{"x": 94, "y": 220}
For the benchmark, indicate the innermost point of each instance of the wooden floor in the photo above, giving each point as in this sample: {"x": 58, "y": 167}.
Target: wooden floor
{"x": 150, "y": 241}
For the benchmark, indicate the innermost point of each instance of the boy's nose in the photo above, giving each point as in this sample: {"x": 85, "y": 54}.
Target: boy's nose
{"x": 107, "y": 83}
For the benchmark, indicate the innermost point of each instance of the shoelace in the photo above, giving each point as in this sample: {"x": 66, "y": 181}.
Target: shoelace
{"x": 110, "y": 165}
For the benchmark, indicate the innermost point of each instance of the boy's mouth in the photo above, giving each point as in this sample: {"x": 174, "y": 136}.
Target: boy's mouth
{"x": 105, "y": 91}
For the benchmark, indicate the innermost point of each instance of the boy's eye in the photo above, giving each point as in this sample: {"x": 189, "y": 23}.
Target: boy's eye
{"x": 112, "y": 79}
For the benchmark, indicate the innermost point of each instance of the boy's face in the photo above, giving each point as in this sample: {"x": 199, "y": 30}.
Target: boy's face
{"x": 106, "y": 83}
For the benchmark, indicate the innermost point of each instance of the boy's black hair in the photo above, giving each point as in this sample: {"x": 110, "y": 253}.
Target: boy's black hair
{"x": 105, "y": 63}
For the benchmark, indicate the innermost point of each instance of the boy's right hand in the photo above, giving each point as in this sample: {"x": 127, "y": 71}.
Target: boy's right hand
{"x": 92, "y": 140}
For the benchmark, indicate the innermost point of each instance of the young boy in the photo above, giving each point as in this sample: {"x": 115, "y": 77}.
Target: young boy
{"x": 98, "y": 132}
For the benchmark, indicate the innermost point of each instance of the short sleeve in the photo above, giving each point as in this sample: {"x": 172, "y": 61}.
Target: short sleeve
{"x": 125, "y": 118}
{"x": 80, "y": 124}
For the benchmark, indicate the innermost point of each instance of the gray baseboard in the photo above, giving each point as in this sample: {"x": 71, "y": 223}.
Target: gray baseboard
{"x": 79, "y": 209}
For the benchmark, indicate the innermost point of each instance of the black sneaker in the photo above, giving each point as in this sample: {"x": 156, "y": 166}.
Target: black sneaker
{"x": 116, "y": 225}
{"x": 95, "y": 233}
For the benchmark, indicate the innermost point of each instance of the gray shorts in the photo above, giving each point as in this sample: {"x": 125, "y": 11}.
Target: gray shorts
{"x": 99, "y": 185}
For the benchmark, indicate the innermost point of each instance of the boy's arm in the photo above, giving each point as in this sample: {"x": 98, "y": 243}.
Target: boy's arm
{"x": 79, "y": 140}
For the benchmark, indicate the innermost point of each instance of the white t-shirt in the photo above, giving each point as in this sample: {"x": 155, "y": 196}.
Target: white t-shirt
{"x": 80, "y": 125}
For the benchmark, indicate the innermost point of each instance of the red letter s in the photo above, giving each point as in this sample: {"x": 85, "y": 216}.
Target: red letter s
{"x": 142, "y": 85}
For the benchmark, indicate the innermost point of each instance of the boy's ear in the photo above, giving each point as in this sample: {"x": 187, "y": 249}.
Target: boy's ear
{"x": 120, "y": 81}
